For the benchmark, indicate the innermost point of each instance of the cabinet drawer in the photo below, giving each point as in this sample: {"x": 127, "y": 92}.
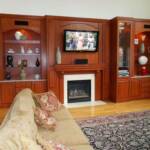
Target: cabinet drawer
{"x": 122, "y": 91}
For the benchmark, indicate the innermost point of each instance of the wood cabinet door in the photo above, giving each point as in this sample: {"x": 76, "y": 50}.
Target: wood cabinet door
{"x": 39, "y": 86}
{"x": 145, "y": 88}
{"x": 135, "y": 88}
{"x": 21, "y": 85}
{"x": 7, "y": 93}
{"x": 122, "y": 91}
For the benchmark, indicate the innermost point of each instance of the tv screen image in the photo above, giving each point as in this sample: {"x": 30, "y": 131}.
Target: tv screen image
{"x": 75, "y": 40}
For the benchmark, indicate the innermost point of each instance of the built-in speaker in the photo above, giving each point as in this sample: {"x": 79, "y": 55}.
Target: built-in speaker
{"x": 147, "y": 26}
{"x": 21, "y": 23}
{"x": 81, "y": 61}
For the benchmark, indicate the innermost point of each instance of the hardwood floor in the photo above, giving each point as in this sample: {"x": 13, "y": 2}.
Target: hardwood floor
{"x": 111, "y": 108}
{"x": 108, "y": 109}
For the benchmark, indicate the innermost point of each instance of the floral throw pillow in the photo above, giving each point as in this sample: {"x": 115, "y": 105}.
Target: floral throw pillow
{"x": 51, "y": 145}
{"x": 44, "y": 119}
{"x": 48, "y": 101}
{"x": 58, "y": 146}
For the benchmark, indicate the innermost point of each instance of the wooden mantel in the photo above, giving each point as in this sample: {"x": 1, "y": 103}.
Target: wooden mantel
{"x": 77, "y": 68}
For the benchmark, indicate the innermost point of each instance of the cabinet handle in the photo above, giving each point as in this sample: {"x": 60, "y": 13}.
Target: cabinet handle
{"x": 21, "y": 23}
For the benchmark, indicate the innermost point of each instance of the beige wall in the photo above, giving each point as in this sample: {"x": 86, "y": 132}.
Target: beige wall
{"x": 78, "y": 8}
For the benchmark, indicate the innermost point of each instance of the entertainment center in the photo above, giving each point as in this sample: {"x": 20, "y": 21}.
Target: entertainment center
{"x": 37, "y": 52}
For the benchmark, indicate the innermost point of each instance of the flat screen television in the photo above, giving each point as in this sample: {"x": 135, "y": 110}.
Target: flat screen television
{"x": 80, "y": 41}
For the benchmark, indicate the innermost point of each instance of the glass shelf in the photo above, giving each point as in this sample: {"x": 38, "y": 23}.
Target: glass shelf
{"x": 20, "y": 54}
{"x": 26, "y": 52}
{"x": 22, "y": 41}
{"x": 124, "y": 48}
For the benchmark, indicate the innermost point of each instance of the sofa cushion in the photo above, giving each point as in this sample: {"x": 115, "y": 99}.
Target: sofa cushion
{"x": 48, "y": 101}
{"x": 67, "y": 132}
{"x": 44, "y": 119}
{"x": 82, "y": 147}
{"x": 51, "y": 145}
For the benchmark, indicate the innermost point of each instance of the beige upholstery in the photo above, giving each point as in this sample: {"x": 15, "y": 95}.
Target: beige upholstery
{"x": 67, "y": 131}
{"x": 19, "y": 131}
{"x": 81, "y": 147}
{"x": 62, "y": 114}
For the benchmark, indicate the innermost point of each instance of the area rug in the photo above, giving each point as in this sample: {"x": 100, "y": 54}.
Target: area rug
{"x": 130, "y": 131}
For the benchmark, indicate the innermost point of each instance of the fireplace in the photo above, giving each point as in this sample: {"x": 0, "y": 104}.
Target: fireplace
{"x": 79, "y": 91}
{"x": 79, "y": 88}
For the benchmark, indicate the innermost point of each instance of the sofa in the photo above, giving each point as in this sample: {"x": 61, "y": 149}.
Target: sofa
{"x": 19, "y": 131}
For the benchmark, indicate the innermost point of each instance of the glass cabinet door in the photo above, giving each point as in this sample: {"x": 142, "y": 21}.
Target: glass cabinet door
{"x": 124, "y": 34}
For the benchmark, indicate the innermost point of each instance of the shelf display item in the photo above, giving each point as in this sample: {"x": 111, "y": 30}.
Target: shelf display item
{"x": 144, "y": 70}
{"x": 9, "y": 61}
{"x": 142, "y": 46}
{"x": 22, "y": 74}
{"x": 8, "y": 75}
{"x": 10, "y": 51}
{"x": 37, "y": 62}
{"x": 143, "y": 60}
{"x": 22, "y": 50}
{"x": 20, "y": 36}
{"x": 25, "y": 62}
{"x": 58, "y": 56}
{"x": 37, "y": 50}
{"x": 37, "y": 76}
{"x": 29, "y": 51}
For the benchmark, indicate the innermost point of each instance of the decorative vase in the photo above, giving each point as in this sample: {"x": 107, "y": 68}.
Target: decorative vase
{"x": 18, "y": 35}
{"x": 142, "y": 48}
{"x": 9, "y": 61}
{"x": 22, "y": 50}
{"x": 143, "y": 60}
{"x": 37, "y": 62}
{"x": 58, "y": 56}
{"x": 22, "y": 74}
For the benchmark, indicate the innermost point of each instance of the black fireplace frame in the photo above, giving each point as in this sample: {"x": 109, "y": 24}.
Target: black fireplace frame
{"x": 79, "y": 98}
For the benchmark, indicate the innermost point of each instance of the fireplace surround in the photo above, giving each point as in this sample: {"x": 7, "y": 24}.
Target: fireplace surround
{"x": 79, "y": 88}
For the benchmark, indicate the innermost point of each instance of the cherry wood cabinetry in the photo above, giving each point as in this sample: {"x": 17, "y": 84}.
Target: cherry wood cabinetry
{"x": 122, "y": 90}
{"x": 120, "y": 73}
{"x": 98, "y": 62}
{"x": 145, "y": 87}
{"x": 135, "y": 88}
{"x": 22, "y": 45}
{"x": 39, "y": 86}
{"x": 23, "y": 55}
{"x": 21, "y": 85}
{"x": 7, "y": 93}
{"x": 130, "y": 68}
{"x": 121, "y": 41}
{"x": 10, "y": 88}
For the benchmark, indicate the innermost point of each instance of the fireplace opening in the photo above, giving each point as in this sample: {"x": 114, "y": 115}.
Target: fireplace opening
{"x": 79, "y": 91}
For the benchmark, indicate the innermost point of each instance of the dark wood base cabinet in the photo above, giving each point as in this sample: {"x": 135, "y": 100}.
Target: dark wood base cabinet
{"x": 10, "y": 89}
{"x": 122, "y": 91}
{"x": 145, "y": 88}
{"x": 135, "y": 88}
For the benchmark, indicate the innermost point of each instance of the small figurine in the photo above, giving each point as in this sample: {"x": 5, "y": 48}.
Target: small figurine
{"x": 8, "y": 75}
{"x": 9, "y": 61}
{"x": 144, "y": 70}
{"x": 37, "y": 63}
